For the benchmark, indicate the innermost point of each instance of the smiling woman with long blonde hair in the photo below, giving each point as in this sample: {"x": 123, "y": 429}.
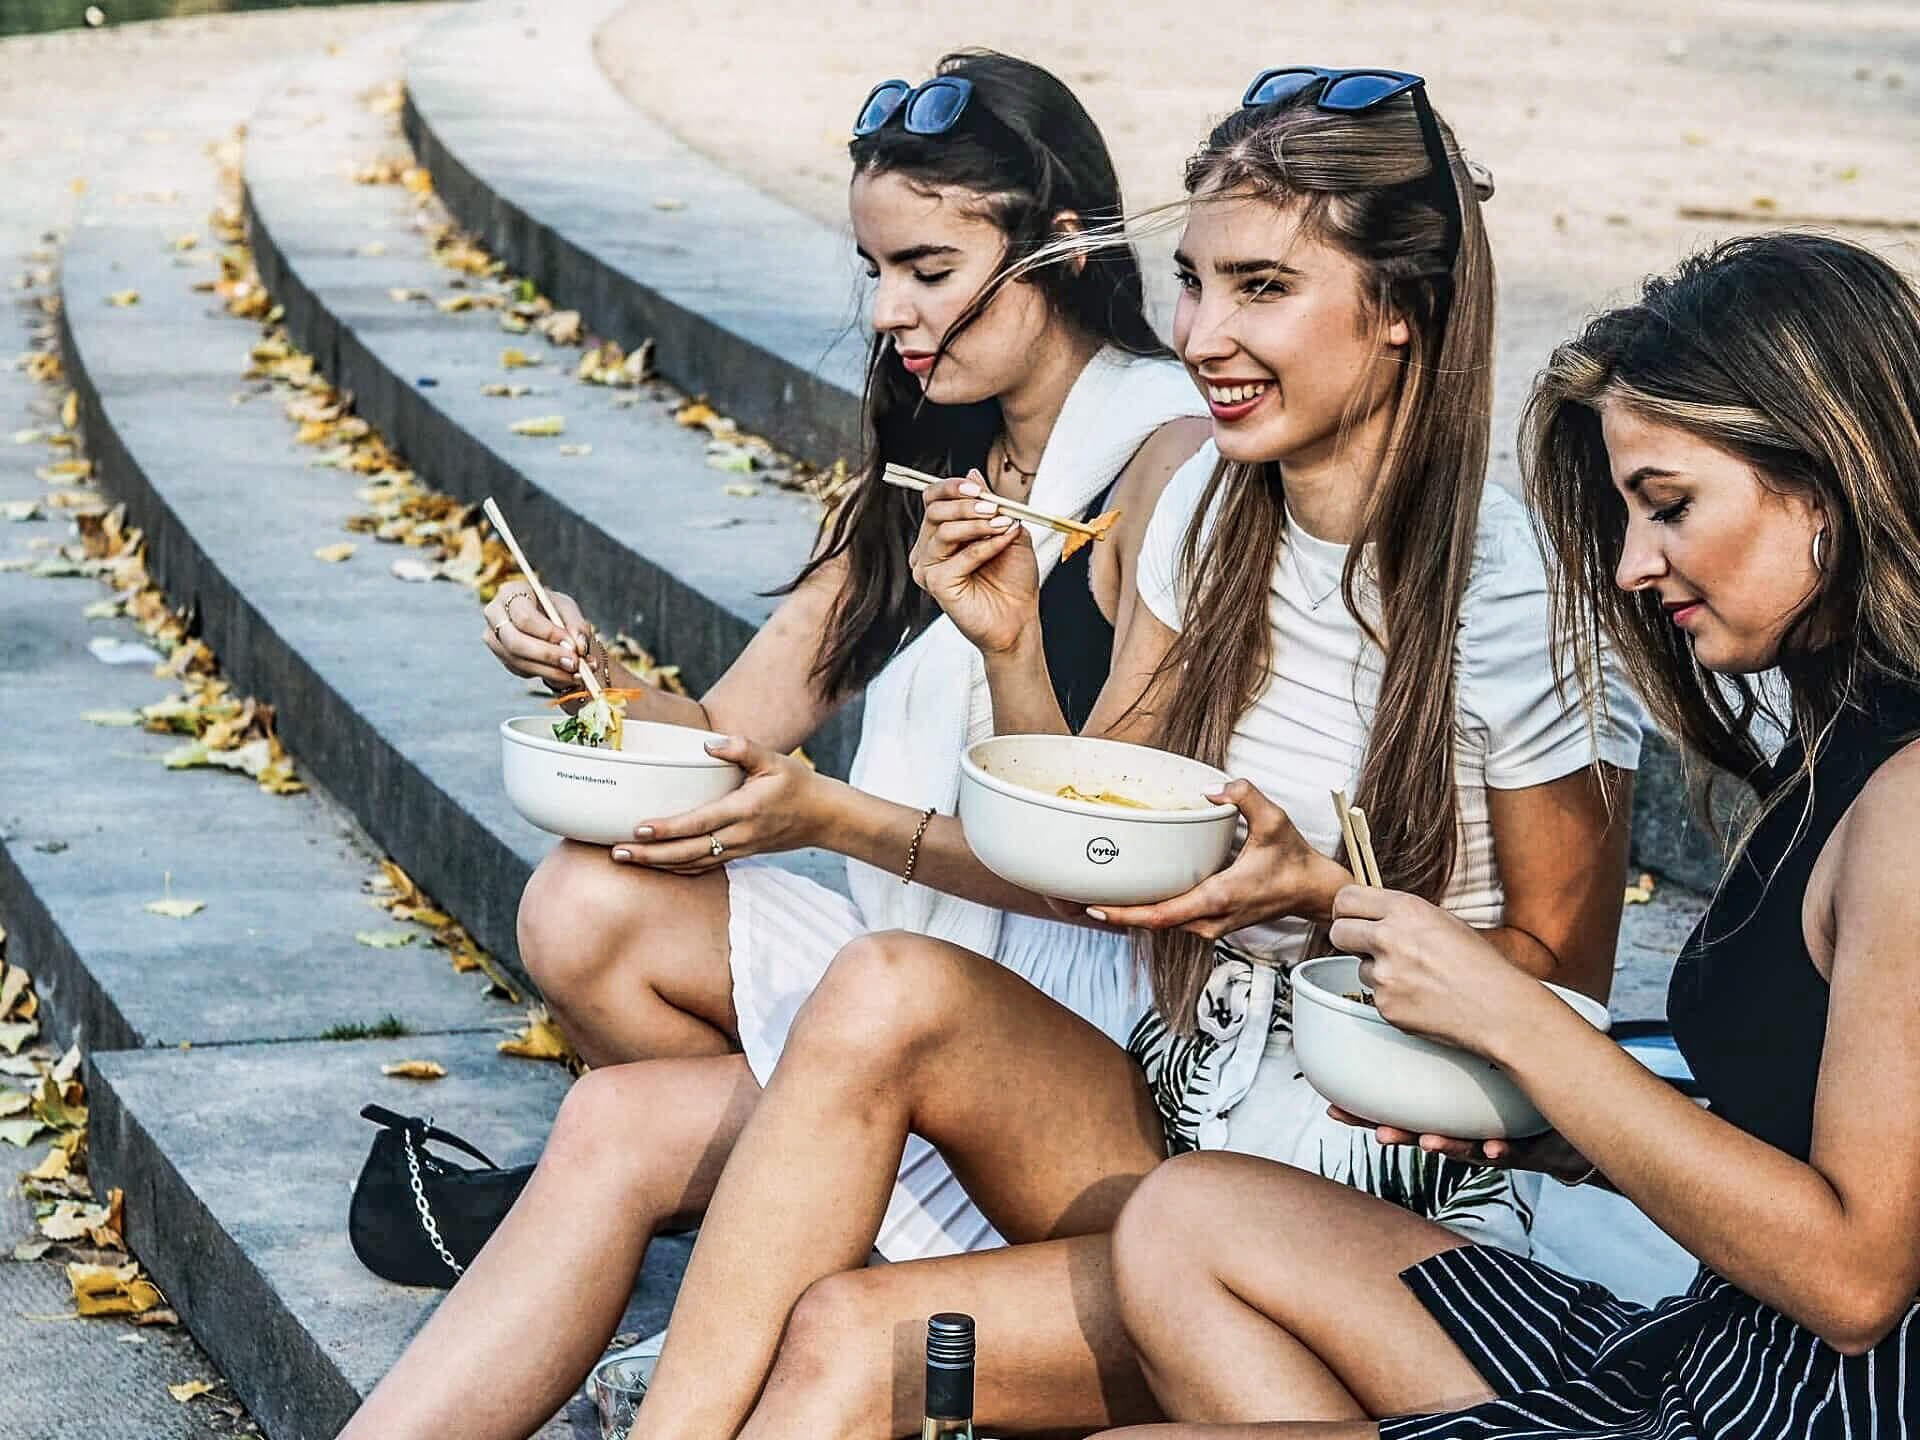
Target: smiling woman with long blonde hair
{"x": 1329, "y": 596}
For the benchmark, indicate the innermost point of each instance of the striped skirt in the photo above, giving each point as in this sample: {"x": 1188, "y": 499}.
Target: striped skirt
{"x": 1565, "y": 1357}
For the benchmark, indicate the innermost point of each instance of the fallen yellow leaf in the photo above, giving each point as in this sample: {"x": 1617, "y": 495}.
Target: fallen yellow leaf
{"x": 540, "y": 1039}
{"x": 385, "y": 939}
{"x": 415, "y": 1069}
{"x": 334, "y": 554}
{"x": 111, "y": 1289}
{"x": 186, "y": 1390}
{"x": 541, "y": 425}
{"x": 124, "y": 298}
{"x": 514, "y": 358}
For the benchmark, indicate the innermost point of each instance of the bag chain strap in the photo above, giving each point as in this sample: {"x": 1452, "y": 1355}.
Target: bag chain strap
{"x": 427, "y": 1222}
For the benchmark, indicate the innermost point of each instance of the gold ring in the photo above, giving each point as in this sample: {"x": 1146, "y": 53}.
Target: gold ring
{"x": 718, "y": 849}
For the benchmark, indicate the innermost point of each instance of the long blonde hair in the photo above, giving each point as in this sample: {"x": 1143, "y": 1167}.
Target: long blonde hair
{"x": 1800, "y": 354}
{"x": 1348, "y": 173}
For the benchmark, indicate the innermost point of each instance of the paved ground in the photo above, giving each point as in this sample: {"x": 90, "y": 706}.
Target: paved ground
{"x": 1602, "y": 124}
{"x": 80, "y": 108}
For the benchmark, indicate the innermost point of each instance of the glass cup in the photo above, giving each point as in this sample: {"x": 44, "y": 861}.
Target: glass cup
{"x": 619, "y": 1384}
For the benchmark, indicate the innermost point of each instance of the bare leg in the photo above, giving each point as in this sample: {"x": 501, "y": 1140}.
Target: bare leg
{"x": 1044, "y": 1120}
{"x": 632, "y": 962}
{"x": 1053, "y": 1355}
{"x": 634, "y": 1147}
{"x": 1255, "y": 1291}
{"x": 1266, "y": 1430}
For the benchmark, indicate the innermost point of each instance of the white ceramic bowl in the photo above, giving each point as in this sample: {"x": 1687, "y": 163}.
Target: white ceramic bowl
{"x": 1360, "y": 1062}
{"x": 1091, "y": 853}
{"x": 599, "y": 795}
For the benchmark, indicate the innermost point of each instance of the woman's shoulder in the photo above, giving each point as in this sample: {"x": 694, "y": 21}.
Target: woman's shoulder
{"x": 1162, "y": 455}
{"x": 1507, "y": 563}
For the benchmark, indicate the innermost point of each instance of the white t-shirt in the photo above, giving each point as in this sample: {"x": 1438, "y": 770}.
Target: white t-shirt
{"x": 1306, "y": 734}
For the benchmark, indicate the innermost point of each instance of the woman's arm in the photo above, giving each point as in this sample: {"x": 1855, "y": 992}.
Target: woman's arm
{"x": 1831, "y": 1243}
{"x": 970, "y": 566}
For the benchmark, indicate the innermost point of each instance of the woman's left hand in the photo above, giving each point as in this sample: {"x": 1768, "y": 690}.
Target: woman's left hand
{"x": 1276, "y": 873}
{"x": 779, "y": 806}
{"x": 1430, "y": 972}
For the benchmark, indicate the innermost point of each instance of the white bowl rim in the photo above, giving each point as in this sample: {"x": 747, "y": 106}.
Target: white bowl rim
{"x": 1581, "y": 1004}
{"x": 617, "y": 757}
{"x": 1085, "y": 807}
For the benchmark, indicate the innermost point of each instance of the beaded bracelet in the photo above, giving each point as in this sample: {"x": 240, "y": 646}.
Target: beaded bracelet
{"x": 913, "y": 849}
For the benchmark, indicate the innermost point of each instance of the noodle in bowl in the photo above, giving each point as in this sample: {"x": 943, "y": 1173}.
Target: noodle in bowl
{"x": 1097, "y": 822}
{"x": 1355, "y": 1057}
{"x": 598, "y": 794}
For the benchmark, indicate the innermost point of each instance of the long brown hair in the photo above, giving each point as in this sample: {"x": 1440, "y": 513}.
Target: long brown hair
{"x": 1800, "y": 354}
{"x": 1347, "y": 173}
{"x": 1043, "y": 156}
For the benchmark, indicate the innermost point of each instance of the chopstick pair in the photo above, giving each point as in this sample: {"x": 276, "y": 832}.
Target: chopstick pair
{"x": 505, "y": 532}
{"x": 1078, "y": 532}
{"x": 1353, "y": 826}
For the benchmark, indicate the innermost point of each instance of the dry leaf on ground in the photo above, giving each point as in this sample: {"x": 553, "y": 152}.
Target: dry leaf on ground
{"x": 540, "y": 425}
{"x": 539, "y": 1039}
{"x": 334, "y": 554}
{"x": 111, "y": 1289}
{"x": 120, "y": 299}
{"x": 385, "y": 939}
{"x": 415, "y": 1069}
{"x": 186, "y": 1390}
{"x": 175, "y": 909}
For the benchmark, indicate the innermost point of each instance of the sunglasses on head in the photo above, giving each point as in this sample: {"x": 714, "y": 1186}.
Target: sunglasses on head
{"x": 1356, "y": 90}
{"x": 932, "y": 108}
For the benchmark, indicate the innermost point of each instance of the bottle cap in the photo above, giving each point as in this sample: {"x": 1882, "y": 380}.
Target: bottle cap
{"x": 950, "y": 1341}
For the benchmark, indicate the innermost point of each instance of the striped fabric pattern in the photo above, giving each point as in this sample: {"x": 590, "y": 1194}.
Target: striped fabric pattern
{"x": 1565, "y": 1357}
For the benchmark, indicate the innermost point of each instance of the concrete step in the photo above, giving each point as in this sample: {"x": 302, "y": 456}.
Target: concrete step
{"x": 747, "y": 300}
{"x": 641, "y": 530}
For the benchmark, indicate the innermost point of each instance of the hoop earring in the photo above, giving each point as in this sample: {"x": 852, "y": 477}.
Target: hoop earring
{"x": 1820, "y": 549}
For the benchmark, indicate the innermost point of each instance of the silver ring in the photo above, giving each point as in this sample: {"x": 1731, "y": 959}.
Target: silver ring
{"x": 713, "y": 841}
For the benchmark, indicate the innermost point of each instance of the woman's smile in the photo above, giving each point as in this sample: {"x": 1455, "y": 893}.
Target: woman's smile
{"x": 1234, "y": 400}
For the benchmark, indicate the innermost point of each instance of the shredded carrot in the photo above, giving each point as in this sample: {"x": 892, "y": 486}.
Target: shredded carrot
{"x": 621, "y": 695}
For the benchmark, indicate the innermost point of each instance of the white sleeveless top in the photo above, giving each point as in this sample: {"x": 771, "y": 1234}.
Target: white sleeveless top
{"x": 1306, "y": 734}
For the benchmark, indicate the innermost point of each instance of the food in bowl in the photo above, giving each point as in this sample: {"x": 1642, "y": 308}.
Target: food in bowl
{"x": 1101, "y": 797}
{"x": 1358, "y": 1059}
{"x": 597, "y": 794}
{"x": 1086, "y": 847}
{"x": 601, "y": 721}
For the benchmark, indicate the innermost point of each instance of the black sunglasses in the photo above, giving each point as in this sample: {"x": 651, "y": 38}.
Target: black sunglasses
{"x": 932, "y": 108}
{"x": 1354, "y": 90}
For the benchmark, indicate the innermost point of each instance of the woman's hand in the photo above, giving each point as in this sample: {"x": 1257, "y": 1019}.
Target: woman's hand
{"x": 527, "y": 643}
{"x": 781, "y": 805}
{"x": 1276, "y": 873}
{"x": 1431, "y": 973}
{"x": 978, "y": 565}
{"x": 1547, "y": 1153}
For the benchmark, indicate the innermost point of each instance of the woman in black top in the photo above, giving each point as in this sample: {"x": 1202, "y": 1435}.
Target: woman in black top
{"x": 1729, "y": 472}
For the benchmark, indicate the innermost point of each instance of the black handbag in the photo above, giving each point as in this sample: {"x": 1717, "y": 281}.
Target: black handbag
{"x": 417, "y": 1219}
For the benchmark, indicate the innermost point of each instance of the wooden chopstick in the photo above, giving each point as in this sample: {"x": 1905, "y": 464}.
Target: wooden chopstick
{"x": 1365, "y": 837}
{"x": 1343, "y": 812}
{"x": 499, "y": 521}
{"x": 910, "y": 479}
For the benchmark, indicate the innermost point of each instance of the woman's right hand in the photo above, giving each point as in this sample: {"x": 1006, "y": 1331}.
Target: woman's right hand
{"x": 1548, "y": 1153}
{"x": 978, "y": 566}
{"x": 527, "y": 643}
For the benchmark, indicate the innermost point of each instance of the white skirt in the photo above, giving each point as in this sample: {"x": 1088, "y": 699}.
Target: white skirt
{"x": 783, "y": 930}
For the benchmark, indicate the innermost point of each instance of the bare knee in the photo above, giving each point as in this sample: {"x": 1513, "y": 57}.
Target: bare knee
{"x": 572, "y": 914}
{"x": 1160, "y": 1236}
{"x": 883, "y": 997}
{"x": 835, "y": 1358}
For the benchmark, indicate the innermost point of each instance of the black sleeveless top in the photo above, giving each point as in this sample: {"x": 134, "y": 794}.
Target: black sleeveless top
{"x": 1749, "y": 1010}
{"x": 1077, "y": 638}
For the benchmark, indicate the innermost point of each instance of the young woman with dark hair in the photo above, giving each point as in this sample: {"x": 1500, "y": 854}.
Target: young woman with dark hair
{"x": 676, "y": 962}
{"x": 1728, "y": 472}
{"x": 1328, "y": 597}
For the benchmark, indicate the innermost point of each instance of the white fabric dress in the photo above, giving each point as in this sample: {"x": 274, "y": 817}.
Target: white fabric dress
{"x": 1235, "y": 1084}
{"x": 924, "y": 707}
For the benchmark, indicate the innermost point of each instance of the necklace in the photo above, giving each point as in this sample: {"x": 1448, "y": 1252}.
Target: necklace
{"x": 1007, "y": 462}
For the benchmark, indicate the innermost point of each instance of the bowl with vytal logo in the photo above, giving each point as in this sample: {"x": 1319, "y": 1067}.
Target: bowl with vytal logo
{"x": 597, "y": 794}
{"x": 1097, "y": 822}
